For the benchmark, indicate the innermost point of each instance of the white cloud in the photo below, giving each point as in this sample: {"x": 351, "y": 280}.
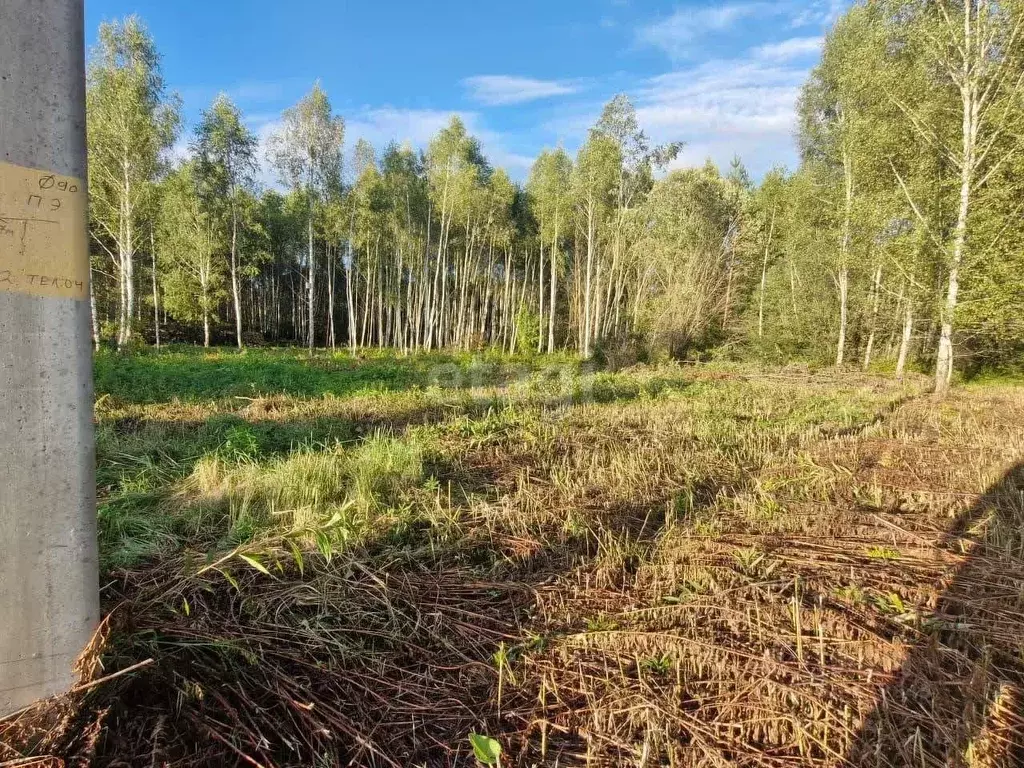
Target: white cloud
{"x": 719, "y": 109}
{"x": 516, "y": 164}
{"x": 744, "y": 105}
{"x": 381, "y": 125}
{"x": 257, "y": 119}
{"x": 501, "y": 90}
{"x": 178, "y": 152}
{"x": 260, "y": 92}
{"x": 722, "y": 108}
{"x": 569, "y": 127}
{"x": 821, "y": 13}
{"x": 687, "y": 28}
{"x": 794, "y": 48}
{"x": 676, "y": 34}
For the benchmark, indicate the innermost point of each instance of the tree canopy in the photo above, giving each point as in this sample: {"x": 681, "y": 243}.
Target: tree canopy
{"x": 896, "y": 242}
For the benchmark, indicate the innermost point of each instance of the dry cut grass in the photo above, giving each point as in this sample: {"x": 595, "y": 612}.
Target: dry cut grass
{"x": 690, "y": 567}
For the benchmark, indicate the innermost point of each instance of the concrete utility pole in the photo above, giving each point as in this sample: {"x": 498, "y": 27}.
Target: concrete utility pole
{"x": 49, "y": 592}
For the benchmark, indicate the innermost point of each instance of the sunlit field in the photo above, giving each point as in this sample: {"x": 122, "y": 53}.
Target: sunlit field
{"x": 362, "y": 561}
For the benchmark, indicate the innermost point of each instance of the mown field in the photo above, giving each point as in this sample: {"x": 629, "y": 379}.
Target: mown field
{"x": 342, "y": 561}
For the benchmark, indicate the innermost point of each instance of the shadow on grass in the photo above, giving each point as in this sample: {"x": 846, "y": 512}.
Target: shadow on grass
{"x": 959, "y": 696}
{"x": 389, "y": 656}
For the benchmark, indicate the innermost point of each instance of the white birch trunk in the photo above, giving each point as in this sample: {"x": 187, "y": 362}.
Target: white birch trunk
{"x": 875, "y": 297}
{"x": 908, "y": 330}
{"x": 236, "y": 292}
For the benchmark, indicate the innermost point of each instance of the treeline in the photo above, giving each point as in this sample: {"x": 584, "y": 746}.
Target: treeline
{"x": 899, "y": 238}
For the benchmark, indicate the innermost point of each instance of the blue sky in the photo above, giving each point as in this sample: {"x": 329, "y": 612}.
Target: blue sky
{"x": 721, "y": 77}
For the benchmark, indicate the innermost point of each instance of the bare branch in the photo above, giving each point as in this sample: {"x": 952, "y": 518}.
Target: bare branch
{"x": 917, "y": 211}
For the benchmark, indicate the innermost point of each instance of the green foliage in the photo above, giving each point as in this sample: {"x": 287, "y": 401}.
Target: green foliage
{"x": 596, "y": 175}
{"x": 307, "y": 149}
{"x": 548, "y": 186}
{"x": 133, "y": 528}
{"x": 190, "y": 244}
{"x": 192, "y": 375}
{"x": 528, "y": 323}
{"x": 240, "y": 445}
{"x": 660, "y": 666}
{"x": 232, "y": 478}
{"x": 688, "y": 216}
{"x": 381, "y": 469}
{"x": 485, "y": 749}
{"x": 225, "y": 153}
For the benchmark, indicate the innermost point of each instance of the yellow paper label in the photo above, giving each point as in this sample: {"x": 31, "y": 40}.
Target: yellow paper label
{"x": 44, "y": 248}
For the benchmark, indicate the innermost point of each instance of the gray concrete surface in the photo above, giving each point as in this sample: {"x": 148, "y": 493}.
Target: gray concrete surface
{"x": 49, "y": 592}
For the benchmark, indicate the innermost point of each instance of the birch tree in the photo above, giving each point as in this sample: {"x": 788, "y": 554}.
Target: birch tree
{"x": 549, "y": 193}
{"x": 970, "y": 49}
{"x": 188, "y": 250}
{"x": 739, "y": 186}
{"x": 225, "y": 153}
{"x": 834, "y": 126}
{"x": 130, "y": 123}
{"x": 638, "y": 163}
{"x": 596, "y": 171}
{"x": 689, "y": 217}
{"x": 769, "y": 203}
{"x": 307, "y": 152}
